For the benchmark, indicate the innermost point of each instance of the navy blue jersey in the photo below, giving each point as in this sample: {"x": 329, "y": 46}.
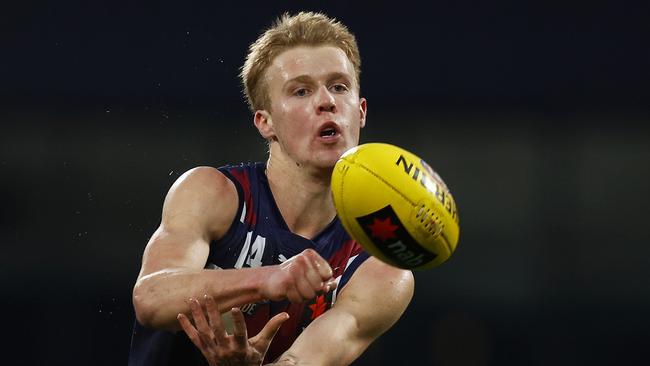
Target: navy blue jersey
{"x": 257, "y": 237}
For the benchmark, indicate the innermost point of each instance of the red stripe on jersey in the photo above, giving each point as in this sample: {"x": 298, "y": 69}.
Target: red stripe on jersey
{"x": 244, "y": 181}
{"x": 339, "y": 260}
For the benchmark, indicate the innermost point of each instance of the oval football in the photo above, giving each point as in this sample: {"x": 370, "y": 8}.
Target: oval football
{"x": 395, "y": 206}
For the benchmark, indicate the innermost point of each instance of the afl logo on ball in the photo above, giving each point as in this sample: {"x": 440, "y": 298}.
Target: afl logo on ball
{"x": 390, "y": 237}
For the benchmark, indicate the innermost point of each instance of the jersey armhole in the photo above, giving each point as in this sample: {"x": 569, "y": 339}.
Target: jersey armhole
{"x": 351, "y": 269}
{"x": 240, "y": 207}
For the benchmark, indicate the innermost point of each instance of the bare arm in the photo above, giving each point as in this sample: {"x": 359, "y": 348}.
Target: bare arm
{"x": 371, "y": 303}
{"x": 200, "y": 207}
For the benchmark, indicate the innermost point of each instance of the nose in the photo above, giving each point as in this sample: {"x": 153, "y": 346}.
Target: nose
{"x": 325, "y": 101}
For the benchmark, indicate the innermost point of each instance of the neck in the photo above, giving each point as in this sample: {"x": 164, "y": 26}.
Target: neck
{"x": 302, "y": 195}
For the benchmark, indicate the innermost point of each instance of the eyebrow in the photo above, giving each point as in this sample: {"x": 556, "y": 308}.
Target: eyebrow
{"x": 308, "y": 79}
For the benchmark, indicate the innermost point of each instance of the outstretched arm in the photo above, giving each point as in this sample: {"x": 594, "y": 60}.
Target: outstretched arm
{"x": 370, "y": 304}
{"x": 200, "y": 207}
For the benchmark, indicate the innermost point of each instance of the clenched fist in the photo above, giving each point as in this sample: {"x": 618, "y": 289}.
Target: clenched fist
{"x": 300, "y": 278}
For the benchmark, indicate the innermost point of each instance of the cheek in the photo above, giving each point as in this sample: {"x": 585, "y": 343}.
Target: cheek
{"x": 295, "y": 114}
{"x": 353, "y": 113}
{"x": 291, "y": 123}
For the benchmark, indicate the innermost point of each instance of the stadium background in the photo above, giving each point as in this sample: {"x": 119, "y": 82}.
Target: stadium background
{"x": 535, "y": 114}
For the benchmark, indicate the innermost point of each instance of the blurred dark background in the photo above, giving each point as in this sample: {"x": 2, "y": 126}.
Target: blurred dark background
{"x": 534, "y": 113}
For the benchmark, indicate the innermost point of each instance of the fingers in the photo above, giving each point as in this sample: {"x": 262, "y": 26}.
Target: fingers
{"x": 300, "y": 278}
{"x": 308, "y": 282}
{"x": 313, "y": 279}
{"x": 321, "y": 287}
{"x": 317, "y": 278}
{"x": 319, "y": 264}
{"x": 189, "y": 329}
{"x": 206, "y": 346}
{"x": 214, "y": 318}
{"x": 330, "y": 285}
{"x": 200, "y": 322}
{"x": 263, "y": 339}
{"x": 305, "y": 280}
{"x": 240, "y": 334}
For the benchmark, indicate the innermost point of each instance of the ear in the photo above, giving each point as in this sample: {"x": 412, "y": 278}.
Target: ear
{"x": 264, "y": 123}
{"x": 363, "y": 111}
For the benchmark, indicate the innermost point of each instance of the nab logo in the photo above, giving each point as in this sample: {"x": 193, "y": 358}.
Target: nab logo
{"x": 391, "y": 238}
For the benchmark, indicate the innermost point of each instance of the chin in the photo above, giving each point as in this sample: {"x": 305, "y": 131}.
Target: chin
{"x": 327, "y": 158}
{"x": 327, "y": 161}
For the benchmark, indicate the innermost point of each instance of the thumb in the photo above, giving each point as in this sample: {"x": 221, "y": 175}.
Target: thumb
{"x": 263, "y": 339}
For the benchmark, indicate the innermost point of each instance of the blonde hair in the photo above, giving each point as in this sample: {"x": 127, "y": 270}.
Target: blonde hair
{"x": 302, "y": 29}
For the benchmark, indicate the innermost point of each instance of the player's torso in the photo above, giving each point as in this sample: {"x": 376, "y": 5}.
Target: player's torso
{"x": 259, "y": 237}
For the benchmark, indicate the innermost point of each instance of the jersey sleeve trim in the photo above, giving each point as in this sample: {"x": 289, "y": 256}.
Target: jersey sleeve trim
{"x": 240, "y": 205}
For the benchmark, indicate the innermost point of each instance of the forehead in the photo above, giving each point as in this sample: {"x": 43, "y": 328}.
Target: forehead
{"x": 315, "y": 62}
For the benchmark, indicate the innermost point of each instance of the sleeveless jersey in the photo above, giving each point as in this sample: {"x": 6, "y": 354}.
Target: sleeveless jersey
{"x": 257, "y": 237}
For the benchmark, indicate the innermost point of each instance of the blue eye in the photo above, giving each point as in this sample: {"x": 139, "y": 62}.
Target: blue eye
{"x": 300, "y": 92}
{"x": 339, "y": 88}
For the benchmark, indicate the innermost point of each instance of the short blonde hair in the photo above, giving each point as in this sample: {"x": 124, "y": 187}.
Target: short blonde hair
{"x": 302, "y": 29}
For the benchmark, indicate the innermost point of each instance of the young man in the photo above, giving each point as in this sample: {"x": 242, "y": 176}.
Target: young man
{"x": 265, "y": 237}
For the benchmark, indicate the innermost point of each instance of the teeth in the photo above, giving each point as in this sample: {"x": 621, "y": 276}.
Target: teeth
{"x": 328, "y": 132}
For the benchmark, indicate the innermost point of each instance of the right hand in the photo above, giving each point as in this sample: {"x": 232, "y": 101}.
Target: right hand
{"x": 218, "y": 347}
{"x": 300, "y": 278}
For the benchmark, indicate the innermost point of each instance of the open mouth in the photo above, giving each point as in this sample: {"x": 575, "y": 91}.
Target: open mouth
{"x": 328, "y": 132}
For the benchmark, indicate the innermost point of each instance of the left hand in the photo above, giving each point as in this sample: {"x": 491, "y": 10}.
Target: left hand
{"x": 220, "y": 348}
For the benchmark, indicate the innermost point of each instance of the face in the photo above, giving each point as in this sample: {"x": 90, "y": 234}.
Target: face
{"x": 315, "y": 112}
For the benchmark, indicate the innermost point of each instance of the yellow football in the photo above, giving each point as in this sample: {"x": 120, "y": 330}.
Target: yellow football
{"x": 393, "y": 204}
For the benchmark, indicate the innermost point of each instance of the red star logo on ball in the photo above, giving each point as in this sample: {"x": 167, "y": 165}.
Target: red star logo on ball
{"x": 383, "y": 229}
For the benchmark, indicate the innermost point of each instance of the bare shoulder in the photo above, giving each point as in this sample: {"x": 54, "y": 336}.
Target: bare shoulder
{"x": 199, "y": 207}
{"x": 204, "y": 178}
{"x": 204, "y": 195}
